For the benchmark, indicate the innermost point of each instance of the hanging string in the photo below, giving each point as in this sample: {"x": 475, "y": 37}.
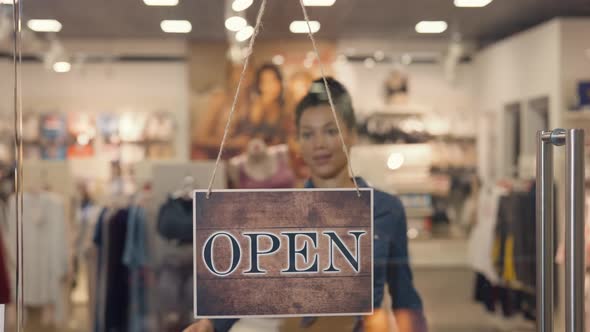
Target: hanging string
{"x": 330, "y": 100}
{"x": 18, "y": 145}
{"x": 235, "y": 102}
{"x": 233, "y": 108}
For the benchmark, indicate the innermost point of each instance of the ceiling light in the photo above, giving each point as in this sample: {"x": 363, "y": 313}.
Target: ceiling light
{"x": 44, "y": 25}
{"x": 241, "y": 5}
{"x": 369, "y": 63}
{"x": 472, "y": 3}
{"x": 395, "y": 161}
{"x": 278, "y": 60}
{"x": 161, "y": 2}
{"x": 318, "y": 3}
{"x": 244, "y": 34}
{"x": 379, "y": 55}
{"x": 62, "y": 67}
{"x": 302, "y": 27}
{"x": 235, "y": 23}
{"x": 431, "y": 27}
{"x": 176, "y": 26}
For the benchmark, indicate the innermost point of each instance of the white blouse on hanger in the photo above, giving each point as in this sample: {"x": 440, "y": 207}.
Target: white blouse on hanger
{"x": 45, "y": 244}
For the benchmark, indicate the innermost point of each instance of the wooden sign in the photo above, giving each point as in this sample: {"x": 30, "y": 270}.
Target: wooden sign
{"x": 306, "y": 252}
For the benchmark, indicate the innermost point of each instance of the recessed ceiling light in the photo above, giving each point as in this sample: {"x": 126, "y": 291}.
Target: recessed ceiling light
{"x": 318, "y": 3}
{"x": 176, "y": 26}
{"x": 44, "y": 25}
{"x": 161, "y": 2}
{"x": 241, "y": 5}
{"x": 431, "y": 27}
{"x": 235, "y": 23}
{"x": 278, "y": 60}
{"x": 244, "y": 34}
{"x": 302, "y": 27}
{"x": 62, "y": 67}
{"x": 472, "y": 3}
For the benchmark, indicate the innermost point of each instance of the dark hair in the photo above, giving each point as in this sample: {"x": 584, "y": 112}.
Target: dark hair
{"x": 317, "y": 96}
{"x": 275, "y": 70}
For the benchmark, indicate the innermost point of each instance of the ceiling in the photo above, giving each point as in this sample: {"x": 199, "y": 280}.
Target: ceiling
{"x": 393, "y": 19}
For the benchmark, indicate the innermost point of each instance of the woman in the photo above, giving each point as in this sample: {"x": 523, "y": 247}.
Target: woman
{"x": 321, "y": 149}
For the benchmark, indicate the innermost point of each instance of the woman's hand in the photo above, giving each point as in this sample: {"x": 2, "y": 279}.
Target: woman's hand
{"x": 200, "y": 326}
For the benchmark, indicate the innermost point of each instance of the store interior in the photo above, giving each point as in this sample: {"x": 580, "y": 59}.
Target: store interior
{"x": 124, "y": 105}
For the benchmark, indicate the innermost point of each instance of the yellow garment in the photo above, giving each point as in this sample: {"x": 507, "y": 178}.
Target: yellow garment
{"x": 509, "y": 274}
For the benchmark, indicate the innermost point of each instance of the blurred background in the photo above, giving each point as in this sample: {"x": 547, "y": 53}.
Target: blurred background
{"x": 124, "y": 104}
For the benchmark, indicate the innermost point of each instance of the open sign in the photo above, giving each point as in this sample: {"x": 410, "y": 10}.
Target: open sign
{"x": 283, "y": 253}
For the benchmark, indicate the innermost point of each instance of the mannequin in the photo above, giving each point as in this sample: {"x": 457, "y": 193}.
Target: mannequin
{"x": 261, "y": 167}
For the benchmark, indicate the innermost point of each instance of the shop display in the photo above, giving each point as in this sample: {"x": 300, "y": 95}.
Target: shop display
{"x": 53, "y": 136}
{"x": 132, "y": 126}
{"x": 160, "y": 127}
{"x": 82, "y": 131}
{"x": 108, "y": 127}
{"x": 502, "y": 252}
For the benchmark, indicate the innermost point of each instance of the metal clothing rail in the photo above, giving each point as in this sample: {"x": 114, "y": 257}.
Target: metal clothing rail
{"x": 573, "y": 139}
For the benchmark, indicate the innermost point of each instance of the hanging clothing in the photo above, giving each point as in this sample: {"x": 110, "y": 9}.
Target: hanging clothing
{"x": 175, "y": 220}
{"x": 46, "y": 256}
{"x": 113, "y": 290}
{"x": 283, "y": 177}
{"x": 4, "y": 276}
{"x": 481, "y": 239}
{"x": 135, "y": 257}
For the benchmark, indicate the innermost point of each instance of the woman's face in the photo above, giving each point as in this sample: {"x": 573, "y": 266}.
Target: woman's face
{"x": 270, "y": 86}
{"x": 320, "y": 143}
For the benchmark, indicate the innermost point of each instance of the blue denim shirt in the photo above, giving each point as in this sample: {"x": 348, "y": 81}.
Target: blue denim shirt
{"x": 391, "y": 259}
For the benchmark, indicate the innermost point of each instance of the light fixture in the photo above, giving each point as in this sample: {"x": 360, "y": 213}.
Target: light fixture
{"x": 235, "y": 23}
{"x": 302, "y": 27}
{"x": 278, "y": 60}
{"x": 379, "y": 55}
{"x": 472, "y": 3}
{"x": 308, "y": 63}
{"x": 44, "y": 25}
{"x": 431, "y": 27}
{"x": 318, "y": 3}
{"x": 7, "y": 2}
{"x": 176, "y": 26}
{"x": 241, "y": 5}
{"x": 62, "y": 67}
{"x": 244, "y": 34}
{"x": 161, "y": 2}
{"x": 395, "y": 161}
{"x": 369, "y": 63}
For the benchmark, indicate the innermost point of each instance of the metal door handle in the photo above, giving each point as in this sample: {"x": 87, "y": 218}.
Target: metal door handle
{"x": 573, "y": 140}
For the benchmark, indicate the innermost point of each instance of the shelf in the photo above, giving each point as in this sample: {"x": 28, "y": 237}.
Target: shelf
{"x": 577, "y": 115}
